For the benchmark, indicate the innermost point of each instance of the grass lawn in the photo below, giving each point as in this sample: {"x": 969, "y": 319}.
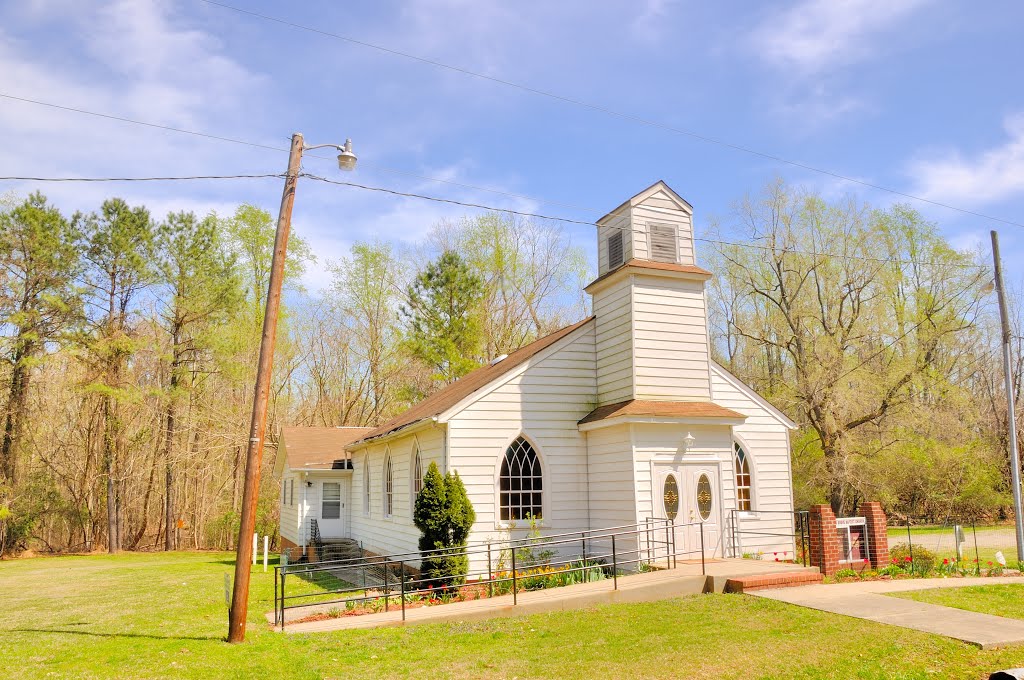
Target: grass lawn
{"x": 163, "y": 615}
{"x": 1001, "y": 600}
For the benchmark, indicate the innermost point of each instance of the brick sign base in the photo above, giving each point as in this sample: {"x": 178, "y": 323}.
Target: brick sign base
{"x": 826, "y": 545}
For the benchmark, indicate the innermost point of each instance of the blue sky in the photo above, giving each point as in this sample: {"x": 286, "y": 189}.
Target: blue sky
{"x": 921, "y": 96}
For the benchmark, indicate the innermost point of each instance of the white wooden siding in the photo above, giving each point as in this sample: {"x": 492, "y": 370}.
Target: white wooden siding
{"x": 544, "y": 402}
{"x": 289, "y": 516}
{"x": 613, "y": 342}
{"x": 670, "y": 346}
{"x": 397, "y": 533}
{"x": 766, "y": 442}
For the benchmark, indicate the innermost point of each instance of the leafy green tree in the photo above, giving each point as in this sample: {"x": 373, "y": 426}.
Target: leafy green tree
{"x": 119, "y": 249}
{"x": 365, "y": 286}
{"x": 250, "y": 237}
{"x": 443, "y": 316}
{"x": 444, "y": 515}
{"x": 200, "y": 288}
{"x": 39, "y": 259}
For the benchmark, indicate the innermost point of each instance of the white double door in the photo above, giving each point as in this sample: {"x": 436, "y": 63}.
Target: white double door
{"x": 692, "y": 493}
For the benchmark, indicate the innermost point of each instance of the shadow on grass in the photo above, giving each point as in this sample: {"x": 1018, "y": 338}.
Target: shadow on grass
{"x": 64, "y": 631}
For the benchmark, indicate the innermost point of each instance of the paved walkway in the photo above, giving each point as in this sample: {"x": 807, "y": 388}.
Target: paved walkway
{"x": 686, "y": 579}
{"x": 867, "y": 600}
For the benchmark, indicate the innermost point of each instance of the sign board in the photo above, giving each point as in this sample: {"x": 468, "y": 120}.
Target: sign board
{"x": 853, "y": 538}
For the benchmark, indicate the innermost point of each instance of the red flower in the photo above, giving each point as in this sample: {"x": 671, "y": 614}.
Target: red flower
{"x": 907, "y": 558}
{"x": 866, "y": 560}
{"x": 990, "y": 563}
{"x": 777, "y": 559}
{"x": 946, "y": 561}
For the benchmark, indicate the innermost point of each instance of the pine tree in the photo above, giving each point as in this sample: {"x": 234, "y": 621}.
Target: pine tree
{"x": 444, "y": 317}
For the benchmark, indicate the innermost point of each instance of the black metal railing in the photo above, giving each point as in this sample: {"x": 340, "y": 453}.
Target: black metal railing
{"x": 379, "y": 583}
{"x": 798, "y": 530}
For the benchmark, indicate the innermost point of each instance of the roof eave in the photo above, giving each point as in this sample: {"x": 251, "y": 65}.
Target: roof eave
{"x": 660, "y": 420}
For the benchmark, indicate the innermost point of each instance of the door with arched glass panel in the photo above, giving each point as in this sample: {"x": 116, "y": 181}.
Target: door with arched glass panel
{"x": 703, "y": 504}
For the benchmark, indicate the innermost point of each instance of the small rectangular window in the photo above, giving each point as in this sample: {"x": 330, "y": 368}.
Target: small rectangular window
{"x": 615, "y": 249}
{"x": 331, "y": 506}
{"x": 664, "y": 245}
{"x": 291, "y": 492}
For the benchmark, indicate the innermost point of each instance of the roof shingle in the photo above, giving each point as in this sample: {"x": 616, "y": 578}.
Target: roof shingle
{"x": 444, "y": 399}
{"x": 318, "y": 447}
{"x": 661, "y": 409}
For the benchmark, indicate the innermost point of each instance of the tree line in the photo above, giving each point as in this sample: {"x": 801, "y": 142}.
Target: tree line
{"x": 129, "y": 348}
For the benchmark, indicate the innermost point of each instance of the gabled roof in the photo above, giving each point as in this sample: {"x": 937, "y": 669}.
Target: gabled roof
{"x": 662, "y": 409}
{"x": 318, "y": 448}
{"x": 446, "y": 398}
{"x": 638, "y": 266}
{"x": 645, "y": 194}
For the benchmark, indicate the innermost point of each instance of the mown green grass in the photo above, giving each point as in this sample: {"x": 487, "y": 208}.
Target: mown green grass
{"x": 163, "y": 615}
{"x": 1001, "y": 600}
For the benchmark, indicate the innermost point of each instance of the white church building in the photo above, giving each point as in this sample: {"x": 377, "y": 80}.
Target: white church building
{"x": 621, "y": 417}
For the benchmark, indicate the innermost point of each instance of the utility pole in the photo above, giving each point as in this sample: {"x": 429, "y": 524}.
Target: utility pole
{"x": 258, "y": 425}
{"x": 1011, "y": 419}
{"x": 264, "y": 371}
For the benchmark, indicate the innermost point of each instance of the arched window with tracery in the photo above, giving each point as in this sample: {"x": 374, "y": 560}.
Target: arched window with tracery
{"x": 743, "y": 484}
{"x": 389, "y": 485}
{"x": 520, "y": 483}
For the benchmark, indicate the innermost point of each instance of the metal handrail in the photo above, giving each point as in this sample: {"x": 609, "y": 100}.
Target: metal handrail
{"x": 646, "y": 551}
{"x": 549, "y": 539}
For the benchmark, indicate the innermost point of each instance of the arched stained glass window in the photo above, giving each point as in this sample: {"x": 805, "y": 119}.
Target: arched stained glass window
{"x": 389, "y": 485}
{"x": 743, "y": 486}
{"x": 521, "y": 483}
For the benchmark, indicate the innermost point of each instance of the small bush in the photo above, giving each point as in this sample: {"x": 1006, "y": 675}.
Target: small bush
{"x": 921, "y": 562}
{"x": 847, "y": 573}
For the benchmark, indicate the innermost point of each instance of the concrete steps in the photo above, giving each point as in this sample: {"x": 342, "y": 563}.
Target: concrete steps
{"x": 745, "y": 584}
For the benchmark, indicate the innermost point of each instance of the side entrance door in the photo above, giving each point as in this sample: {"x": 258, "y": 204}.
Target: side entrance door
{"x": 332, "y": 514}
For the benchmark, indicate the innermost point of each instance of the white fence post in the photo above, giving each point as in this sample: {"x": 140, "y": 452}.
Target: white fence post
{"x": 255, "y": 547}
{"x": 266, "y": 544}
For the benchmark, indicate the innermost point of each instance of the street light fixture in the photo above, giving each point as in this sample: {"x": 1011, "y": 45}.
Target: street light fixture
{"x": 346, "y": 159}
{"x": 258, "y": 425}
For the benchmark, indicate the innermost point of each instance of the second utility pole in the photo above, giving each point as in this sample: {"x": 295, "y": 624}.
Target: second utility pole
{"x": 258, "y": 425}
{"x": 1011, "y": 417}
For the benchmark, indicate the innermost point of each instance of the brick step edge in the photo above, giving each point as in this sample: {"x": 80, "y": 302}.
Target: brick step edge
{"x": 744, "y": 584}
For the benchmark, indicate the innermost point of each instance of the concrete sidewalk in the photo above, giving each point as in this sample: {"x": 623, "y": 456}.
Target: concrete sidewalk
{"x": 868, "y": 600}
{"x": 686, "y": 579}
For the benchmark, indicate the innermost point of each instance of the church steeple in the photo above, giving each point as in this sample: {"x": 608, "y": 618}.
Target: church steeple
{"x": 648, "y": 300}
{"x": 655, "y": 225}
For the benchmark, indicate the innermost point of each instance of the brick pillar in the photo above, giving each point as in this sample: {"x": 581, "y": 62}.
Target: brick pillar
{"x": 878, "y": 537}
{"x": 824, "y": 540}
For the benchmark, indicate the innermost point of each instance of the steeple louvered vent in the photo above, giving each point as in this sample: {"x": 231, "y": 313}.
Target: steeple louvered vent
{"x": 664, "y": 245}
{"x": 615, "y": 249}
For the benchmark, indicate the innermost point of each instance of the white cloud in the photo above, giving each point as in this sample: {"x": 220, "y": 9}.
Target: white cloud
{"x": 989, "y": 176}
{"x": 815, "y": 35}
{"x": 652, "y": 21}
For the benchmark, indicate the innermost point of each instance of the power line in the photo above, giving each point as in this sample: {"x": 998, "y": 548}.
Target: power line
{"x": 451, "y": 201}
{"x": 610, "y": 112}
{"x": 136, "y": 179}
{"x": 284, "y": 149}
